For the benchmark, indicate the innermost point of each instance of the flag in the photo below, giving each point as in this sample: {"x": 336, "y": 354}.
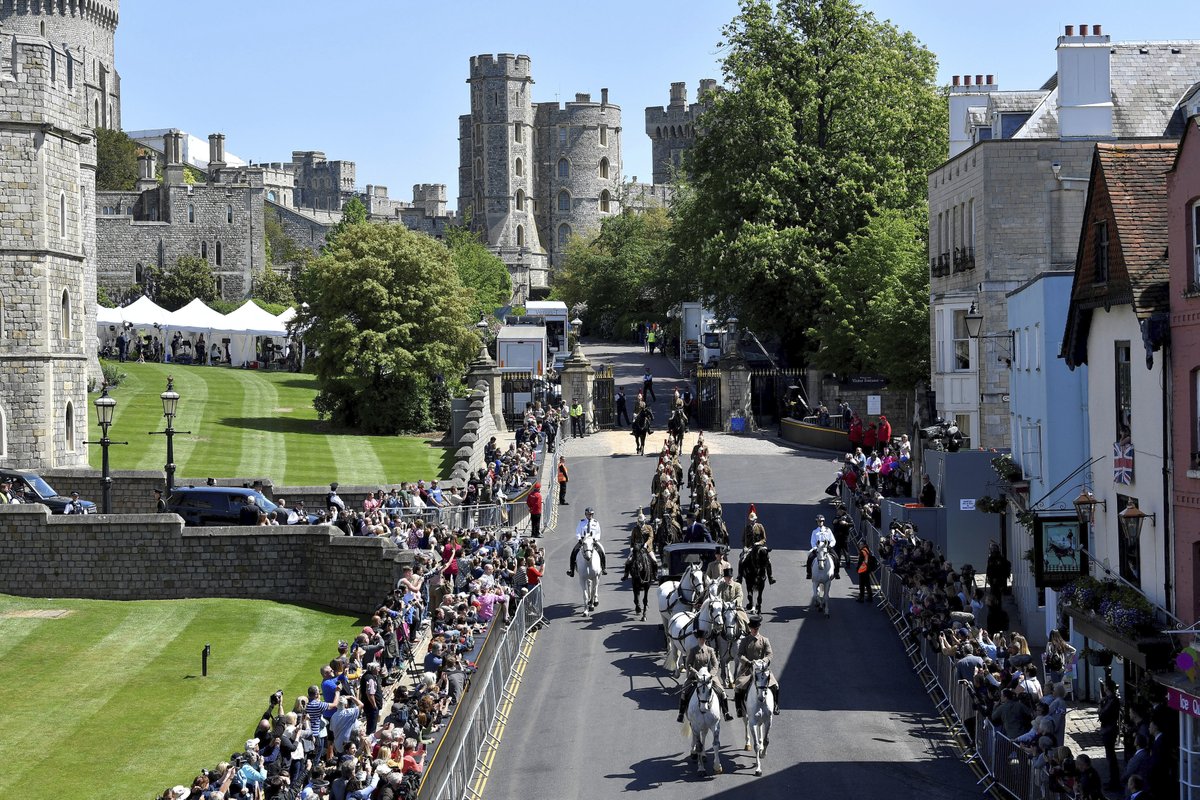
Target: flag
{"x": 1123, "y": 463}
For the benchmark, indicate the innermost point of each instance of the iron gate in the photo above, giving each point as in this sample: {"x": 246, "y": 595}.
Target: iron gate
{"x": 517, "y": 390}
{"x": 708, "y": 400}
{"x": 603, "y": 398}
{"x": 769, "y": 395}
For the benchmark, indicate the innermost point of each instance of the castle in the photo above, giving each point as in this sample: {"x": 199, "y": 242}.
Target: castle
{"x": 51, "y": 96}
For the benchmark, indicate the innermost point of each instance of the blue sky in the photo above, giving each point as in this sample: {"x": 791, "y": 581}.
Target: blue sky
{"x": 382, "y": 82}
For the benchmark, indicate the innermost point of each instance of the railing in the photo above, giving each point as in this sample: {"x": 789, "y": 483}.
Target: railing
{"x": 513, "y": 514}
{"x": 457, "y": 757}
{"x": 964, "y": 259}
{"x": 939, "y": 266}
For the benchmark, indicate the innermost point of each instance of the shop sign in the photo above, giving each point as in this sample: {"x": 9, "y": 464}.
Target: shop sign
{"x": 1183, "y": 702}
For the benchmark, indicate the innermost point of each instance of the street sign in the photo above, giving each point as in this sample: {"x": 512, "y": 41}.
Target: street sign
{"x": 874, "y": 404}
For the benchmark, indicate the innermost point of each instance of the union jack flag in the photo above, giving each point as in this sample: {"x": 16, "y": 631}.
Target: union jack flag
{"x": 1122, "y": 463}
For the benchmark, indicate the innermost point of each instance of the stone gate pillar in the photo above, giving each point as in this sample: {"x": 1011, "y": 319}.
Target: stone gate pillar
{"x": 577, "y": 378}
{"x": 484, "y": 368}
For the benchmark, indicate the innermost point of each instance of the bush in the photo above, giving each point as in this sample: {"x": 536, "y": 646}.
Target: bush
{"x": 112, "y": 373}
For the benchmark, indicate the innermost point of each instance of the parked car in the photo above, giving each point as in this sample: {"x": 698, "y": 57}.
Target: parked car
{"x": 219, "y": 505}
{"x": 32, "y": 488}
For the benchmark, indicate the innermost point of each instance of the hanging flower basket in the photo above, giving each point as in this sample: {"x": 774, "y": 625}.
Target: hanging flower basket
{"x": 1099, "y": 658}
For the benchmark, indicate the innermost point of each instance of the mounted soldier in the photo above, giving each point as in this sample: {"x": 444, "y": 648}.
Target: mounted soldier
{"x": 754, "y": 647}
{"x": 702, "y": 655}
{"x": 754, "y": 536}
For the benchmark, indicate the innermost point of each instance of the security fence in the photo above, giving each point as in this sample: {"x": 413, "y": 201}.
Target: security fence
{"x": 456, "y": 771}
{"x": 604, "y": 410}
{"x": 708, "y": 400}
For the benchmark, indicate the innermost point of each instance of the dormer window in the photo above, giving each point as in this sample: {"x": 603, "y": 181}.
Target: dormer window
{"x": 1100, "y": 255}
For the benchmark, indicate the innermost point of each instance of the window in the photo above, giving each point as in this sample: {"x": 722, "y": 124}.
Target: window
{"x": 1194, "y": 463}
{"x": 478, "y": 134}
{"x": 70, "y": 67}
{"x": 53, "y": 60}
{"x": 69, "y": 422}
{"x": 162, "y": 255}
{"x": 62, "y": 216}
{"x": 1195, "y": 220}
{"x": 604, "y": 136}
{"x": 564, "y": 235}
{"x": 191, "y": 212}
{"x": 1100, "y": 256}
{"x": 604, "y": 168}
{"x": 962, "y": 342}
{"x": 562, "y": 135}
{"x": 270, "y": 196}
{"x": 220, "y": 287}
{"x": 229, "y": 214}
{"x": 564, "y": 168}
{"x": 479, "y": 169}
{"x": 204, "y": 250}
{"x": 218, "y": 254}
{"x": 65, "y": 317}
{"x": 517, "y": 132}
{"x": 1124, "y": 393}
{"x": 138, "y": 273}
{"x": 519, "y": 167}
{"x": 520, "y": 199}
{"x": 604, "y": 198}
{"x": 520, "y": 236}
{"x": 564, "y": 200}
{"x": 1129, "y": 552}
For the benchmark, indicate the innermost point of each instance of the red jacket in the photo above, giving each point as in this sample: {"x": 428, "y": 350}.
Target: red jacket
{"x": 885, "y": 432}
{"x": 534, "y": 501}
{"x": 856, "y": 431}
{"x": 869, "y": 436}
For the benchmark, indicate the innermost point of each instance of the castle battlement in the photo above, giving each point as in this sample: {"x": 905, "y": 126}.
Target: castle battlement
{"x": 40, "y": 83}
{"x": 501, "y": 65}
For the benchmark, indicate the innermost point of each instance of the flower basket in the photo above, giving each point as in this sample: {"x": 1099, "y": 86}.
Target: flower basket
{"x": 1099, "y": 658}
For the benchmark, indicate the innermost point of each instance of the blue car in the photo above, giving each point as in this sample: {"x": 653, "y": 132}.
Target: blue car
{"x": 220, "y": 505}
{"x": 31, "y": 488}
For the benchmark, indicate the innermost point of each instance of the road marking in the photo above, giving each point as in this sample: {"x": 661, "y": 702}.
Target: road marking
{"x": 488, "y": 756}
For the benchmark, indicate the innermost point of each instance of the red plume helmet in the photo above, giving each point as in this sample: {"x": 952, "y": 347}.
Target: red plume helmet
{"x": 752, "y": 510}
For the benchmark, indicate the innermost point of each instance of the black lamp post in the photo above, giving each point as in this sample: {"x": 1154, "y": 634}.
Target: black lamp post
{"x": 170, "y": 401}
{"x": 105, "y": 406}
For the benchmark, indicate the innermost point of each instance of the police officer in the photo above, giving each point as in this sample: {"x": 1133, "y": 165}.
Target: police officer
{"x": 702, "y": 655}
{"x": 588, "y": 526}
{"x": 821, "y": 534}
{"x": 754, "y": 647}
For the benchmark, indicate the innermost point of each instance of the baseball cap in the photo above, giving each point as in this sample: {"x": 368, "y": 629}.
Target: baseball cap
{"x": 589, "y": 510}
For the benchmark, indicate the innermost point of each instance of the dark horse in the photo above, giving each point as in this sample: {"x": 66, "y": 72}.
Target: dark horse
{"x": 677, "y": 425}
{"x": 753, "y": 570}
{"x": 641, "y": 428}
{"x": 640, "y": 569}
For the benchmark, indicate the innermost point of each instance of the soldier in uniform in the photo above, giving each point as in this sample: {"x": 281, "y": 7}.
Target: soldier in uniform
{"x": 754, "y": 535}
{"x": 730, "y": 591}
{"x": 702, "y": 655}
{"x": 716, "y": 567}
{"x": 754, "y": 647}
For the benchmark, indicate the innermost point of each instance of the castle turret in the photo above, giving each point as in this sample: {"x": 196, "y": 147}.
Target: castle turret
{"x": 672, "y": 130}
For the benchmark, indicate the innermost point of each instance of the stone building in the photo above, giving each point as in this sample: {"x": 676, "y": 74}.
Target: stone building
{"x": 672, "y": 130}
{"x": 47, "y": 218}
{"x": 321, "y": 184}
{"x": 1007, "y": 204}
{"x": 533, "y": 174}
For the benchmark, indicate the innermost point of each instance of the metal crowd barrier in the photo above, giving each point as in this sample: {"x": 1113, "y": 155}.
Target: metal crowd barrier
{"x": 456, "y": 759}
{"x": 1004, "y": 763}
{"x": 514, "y": 514}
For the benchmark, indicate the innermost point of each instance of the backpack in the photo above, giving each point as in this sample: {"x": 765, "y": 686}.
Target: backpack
{"x": 1054, "y": 661}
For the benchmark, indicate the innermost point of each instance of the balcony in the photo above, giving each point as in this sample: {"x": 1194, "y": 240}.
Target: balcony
{"x": 939, "y": 267}
{"x": 964, "y": 259}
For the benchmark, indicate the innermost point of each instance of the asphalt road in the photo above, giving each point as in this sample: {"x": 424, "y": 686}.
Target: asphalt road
{"x": 595, "y": 714}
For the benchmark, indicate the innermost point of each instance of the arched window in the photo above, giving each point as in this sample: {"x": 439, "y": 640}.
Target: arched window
{"x": 479, "y": 169}
{"x": 229, "y": 213}
{"x": 604, "y": 168}
{"x": 220, "y": 288}
{"x": 96, "y": 119}
{"x": 62, "y": 215}
{"x": 138, "y": 274}
{"x": 218, "y": 254}
{"x": 3, "y": 434}
{"x": 564, "y": 235}
{"x": 69, "y": 421}
{"x": 270, "y": 196}
{"x": 604, "y": 198}
{"x": 42, "y": 30}
{"x": 520, "y": 236}
{"x": 519, "y": 167}
{"x": 564, "y": 168}
{"x": 658, "y": 132}
{"x": 191, "y": 212}
{"x": 516, "y": 131}
{"x": 204, "y": 250}
{"x": 520, "y": 199}
{"x": 65, "y": 317}
{"x": 564, "y": 200}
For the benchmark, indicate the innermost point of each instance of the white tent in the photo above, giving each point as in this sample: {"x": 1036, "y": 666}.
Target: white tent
{"x": 108, "y": 316}
{"x": 145, "y": 313}
{"x": 196, "y": 317}
{"x": 246, "y": 324}
{"x": 287, "y": 316}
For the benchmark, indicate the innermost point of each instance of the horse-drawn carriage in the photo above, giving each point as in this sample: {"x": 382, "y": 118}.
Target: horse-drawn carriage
{"x": 676, "y": 557}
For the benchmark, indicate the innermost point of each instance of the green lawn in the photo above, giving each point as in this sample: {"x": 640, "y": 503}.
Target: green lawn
{"x": 246, "y": 423}
{"x": 108, "y": 702}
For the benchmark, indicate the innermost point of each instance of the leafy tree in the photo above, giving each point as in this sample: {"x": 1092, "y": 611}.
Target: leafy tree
{"x": 191, "y": 277}
{"x": 271, "y": 287}
{"x": 874, "y": 316}
{"x": 830, "y": 117}
{"x": 116, "y": 161}
{"x": 621, "y": 273}
{"x": 103, "y": 299}
{"x": 480, "y": 270}
{"x": 387, "y": 316}
{"x": 353, "y": 213}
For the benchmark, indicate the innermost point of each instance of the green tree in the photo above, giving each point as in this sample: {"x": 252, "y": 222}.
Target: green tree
{"x": 353, "y": 213}
{"x": 829, "y": 117}
{"x": 103, "y": 299}
{"x": 874, "y": 315}
{"x": 387, "y": 317}
{"x": 116, "y": 161}
{"x": 271, "y": 287}
{"x": 480, "y": 270}
{"x": 621, "y": 273}
{"x": 190, "y": 278}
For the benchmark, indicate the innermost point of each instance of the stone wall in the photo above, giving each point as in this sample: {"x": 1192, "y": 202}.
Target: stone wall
{"x": 479, "y": 428}
{"x": 152, "y": 557}
{"x": 898, "y": 406}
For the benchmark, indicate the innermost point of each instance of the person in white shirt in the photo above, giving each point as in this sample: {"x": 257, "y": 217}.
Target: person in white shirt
{"x": 588, "y": 526}
{"x": 821, "y": 534}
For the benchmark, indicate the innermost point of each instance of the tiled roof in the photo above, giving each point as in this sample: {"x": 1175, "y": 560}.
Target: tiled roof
{"x": 1002, "y": 102}
{"x": 1043, "y": 122}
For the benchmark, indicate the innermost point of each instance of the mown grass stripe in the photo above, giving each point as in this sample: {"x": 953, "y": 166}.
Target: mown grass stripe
{"x": 264, "y": 452}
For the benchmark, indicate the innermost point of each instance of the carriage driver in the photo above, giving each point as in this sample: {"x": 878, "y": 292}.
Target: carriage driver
{"x": 702, "y": 655}
{"x": 754, "y": 535}
{"x": 586, "y": 526}
{"x": 754, "y": 647}
{"x": 822, "y": 534}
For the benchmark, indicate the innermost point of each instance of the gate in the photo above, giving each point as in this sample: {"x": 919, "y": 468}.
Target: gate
{"x": 518, "y": 389}
{"x": 769, "y": 395}
{"x": 708, "y": 400}
{"x": 603, "y": 398}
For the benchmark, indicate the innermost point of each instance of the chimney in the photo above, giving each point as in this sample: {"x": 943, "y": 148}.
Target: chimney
{"x": 1069, "y": 30}
{"x": 1085, "y": 107}
{"x": 145, "y": 172}
{"x": 956, "y": 80}
{"x": 1096, "y": 31}
{"x": 966, "y": 80}
{"x": 991, "y": 79}
{"x": 173, "y": 158}
{"x": 604, "y": 96}
{"x": 979, "y": 80}
{"x": 583, "y": 97}
{"x": 707, "y": 85}
{"x": 678, "y": 94}
{"x": 216, "y": 150}
{"x": 966, "y": 92}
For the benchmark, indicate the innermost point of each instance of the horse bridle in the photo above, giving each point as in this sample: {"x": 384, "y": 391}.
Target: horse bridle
{"x": 704, "y": 692}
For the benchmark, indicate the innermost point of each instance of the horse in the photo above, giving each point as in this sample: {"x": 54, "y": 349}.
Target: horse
{"x": 727, "y": 636}
{"x": 587, "y": 567}
{"x": 760, "y": 706}
{"x": 641, "y": 570}
{"x": 641, "y": 429}
{"x": 676, "y": 426}
{"x": 681, "y": 638}
{"x": 689, "y": 591}
{"x": 753, "y": 570}
{"x": 703, "y": 718}
{"x": 822, "y": 578}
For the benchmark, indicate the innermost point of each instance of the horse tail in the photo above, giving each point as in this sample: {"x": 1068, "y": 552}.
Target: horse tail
{"x": 686, "y": 730}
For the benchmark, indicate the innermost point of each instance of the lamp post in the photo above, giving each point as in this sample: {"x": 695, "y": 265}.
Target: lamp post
{"x": 105, "y": 406}
{"x": 1132, "y": 519}
{"x": 1085, "y": 507}
{"x": 170, "y": 402}
{"x": 577, "y": 326}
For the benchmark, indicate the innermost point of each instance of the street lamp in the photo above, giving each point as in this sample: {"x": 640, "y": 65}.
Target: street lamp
{"x": 1085, "y": 506}
{"x": 170, "y": 402}
{"x": 577, "y": 326}
{"x": 974, "y": 323}
{"x": 105, "y": 406}
{"x": 1132, "y": 519}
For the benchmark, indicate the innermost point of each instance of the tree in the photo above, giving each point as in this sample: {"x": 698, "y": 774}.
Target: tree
{"x": 480, "y": 270}
{"x": 388, "y": 317}
{"x": 830, "y": 117}
{"x": 103, "y": 299}
{"x": 271, "y": 287}
{"x": 116, "y": 161}
{"x": 874, "y": 315}
{"x": 190, "y": 278}
{"x": 621, "y": 273}
{"x": 353, "y": 213}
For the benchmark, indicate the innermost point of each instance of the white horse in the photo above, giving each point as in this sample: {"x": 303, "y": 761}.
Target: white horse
{"x": 822, "y": 578}
{"x": 726, "y": 637}
{"x": 587, "y": 567}
{"x": 674, "y": 596}
{"x": 682, "y": 627}
{"x": 760, "y": 706}
{"x": 704, "y": 717}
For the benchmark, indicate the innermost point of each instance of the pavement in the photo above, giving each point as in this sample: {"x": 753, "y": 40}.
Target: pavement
{"x": 594, "y": 716}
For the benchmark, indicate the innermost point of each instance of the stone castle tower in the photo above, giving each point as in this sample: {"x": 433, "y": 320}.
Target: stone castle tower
{"x": 49, "y": 93}
{"x": 532, "y": 174}
{"x": 672, "y": 130}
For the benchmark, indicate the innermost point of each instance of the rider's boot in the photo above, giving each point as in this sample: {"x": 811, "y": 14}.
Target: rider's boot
{"x": 682, "y": 707}
{"x": 725, "y": 709}
{"x": 775, "y": 691}
{"x": 603, "y": 564}
{"x": 739, "y": 704}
